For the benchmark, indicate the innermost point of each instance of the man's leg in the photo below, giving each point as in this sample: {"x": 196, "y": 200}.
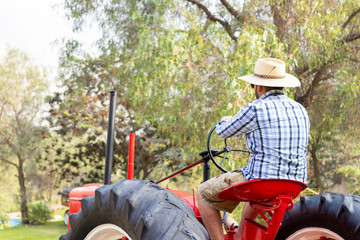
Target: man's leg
{"x": 248, "y": 212}
{"x": 209, "y": 201}
{"x": 212, "y": 220}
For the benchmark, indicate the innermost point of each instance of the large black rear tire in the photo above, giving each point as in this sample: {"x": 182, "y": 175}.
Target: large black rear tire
{"x": 326, "y": 213}
{"x": 142, "y": 209}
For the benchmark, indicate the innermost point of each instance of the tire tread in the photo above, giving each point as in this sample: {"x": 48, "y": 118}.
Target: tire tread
{"x": 337, "y": 212}
{"x": 141, "y": 208}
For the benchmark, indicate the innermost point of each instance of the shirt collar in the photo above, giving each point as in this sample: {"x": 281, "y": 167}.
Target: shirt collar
{"x": 271, "y": 93}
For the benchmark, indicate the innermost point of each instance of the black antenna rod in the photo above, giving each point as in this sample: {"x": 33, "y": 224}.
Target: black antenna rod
{"x": 110, "y": 139}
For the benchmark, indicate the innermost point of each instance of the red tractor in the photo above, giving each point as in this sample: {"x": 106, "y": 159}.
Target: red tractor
{"x": 139, "y": 209}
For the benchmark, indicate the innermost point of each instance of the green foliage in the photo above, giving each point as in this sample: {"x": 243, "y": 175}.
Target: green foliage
{"x": 75, "y": 160}
{"x": 39, "y": 213}
{"x": 22, "y": 85}
{"x": 175, "y": 67}
{"x": 351, "y": 170}
{"x": 352, "y": 173}
{"x": 334, "y": 134}
{"x": 4, "y": 218}
{"x": 8, "y": 189}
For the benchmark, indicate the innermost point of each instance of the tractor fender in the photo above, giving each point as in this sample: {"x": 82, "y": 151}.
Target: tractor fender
{"x": 77, "y": 194}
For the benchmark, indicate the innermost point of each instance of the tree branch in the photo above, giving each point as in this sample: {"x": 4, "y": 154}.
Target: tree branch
{"x": 231, "y": 10}
{"x": 315, "y": 81}
{"x": 353, "y": 36}
{"x": 305, "y": 99}
{"x": 351, "y": 17}
{"x": 350, "y": 38}
{"x": 282, "y": 23}
{"x": 8, "y": 142}
{"x": 303, "y": 71}
{"x": 7, "y": 161}
{"x": 347, "y": 39}
{"x": 211, "y": 17}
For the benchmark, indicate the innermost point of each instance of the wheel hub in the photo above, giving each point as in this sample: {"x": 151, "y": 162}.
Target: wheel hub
{"x": 107, "y": 231}
{"x": 314, "y": 233}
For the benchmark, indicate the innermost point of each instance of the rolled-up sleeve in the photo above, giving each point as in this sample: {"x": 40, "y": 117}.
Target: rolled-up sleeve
{"x": 243, "y": 122}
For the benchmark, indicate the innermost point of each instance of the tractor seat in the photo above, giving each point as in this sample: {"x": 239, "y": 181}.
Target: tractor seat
{"x": 262, "y": 190}
{"x": 271, "y": 196}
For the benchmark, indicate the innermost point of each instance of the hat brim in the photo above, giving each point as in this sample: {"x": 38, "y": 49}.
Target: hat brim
{"x": 288, "y": 81}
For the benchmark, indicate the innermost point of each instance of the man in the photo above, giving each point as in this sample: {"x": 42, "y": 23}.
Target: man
{"x": 276, "y": 129}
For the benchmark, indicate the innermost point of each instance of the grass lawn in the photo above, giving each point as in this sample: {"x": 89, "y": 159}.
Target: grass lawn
{"x": 48, "y": 231}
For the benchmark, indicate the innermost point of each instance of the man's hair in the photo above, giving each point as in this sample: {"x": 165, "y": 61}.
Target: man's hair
{"x": 270, "y": 88}
{"x": 273, "y": 88}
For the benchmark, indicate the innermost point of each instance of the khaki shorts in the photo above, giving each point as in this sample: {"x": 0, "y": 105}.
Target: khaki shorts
{"x": 208, "y": 191}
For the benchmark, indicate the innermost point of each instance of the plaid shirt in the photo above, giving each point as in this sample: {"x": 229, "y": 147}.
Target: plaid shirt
{"x": 276, "y": 129}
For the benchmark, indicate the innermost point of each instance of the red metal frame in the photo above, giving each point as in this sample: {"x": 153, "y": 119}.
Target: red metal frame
{"x": 187, "y": 167}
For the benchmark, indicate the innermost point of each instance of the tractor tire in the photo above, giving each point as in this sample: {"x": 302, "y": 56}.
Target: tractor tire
{"x": 136, "y": 209}
{"x": 328, "y": 215}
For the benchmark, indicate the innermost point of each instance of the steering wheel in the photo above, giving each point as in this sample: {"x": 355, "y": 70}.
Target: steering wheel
{"x": 226, "y": 149}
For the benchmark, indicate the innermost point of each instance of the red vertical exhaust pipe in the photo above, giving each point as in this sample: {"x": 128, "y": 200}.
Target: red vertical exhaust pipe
{"x": 130, "y": 174}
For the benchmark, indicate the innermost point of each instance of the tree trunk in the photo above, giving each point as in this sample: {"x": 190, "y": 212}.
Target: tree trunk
{"x": 23, "y": 200}
{"x": 316, "y": 166}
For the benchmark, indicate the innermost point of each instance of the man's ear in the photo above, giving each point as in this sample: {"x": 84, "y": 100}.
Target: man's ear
{"x": 261, "y": 88}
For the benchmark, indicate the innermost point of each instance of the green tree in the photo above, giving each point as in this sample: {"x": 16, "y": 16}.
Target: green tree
{"x": 335, "y": 132}
{"x": 321, "y": 40}
{"x": 175, "y": 63}
{"x": 21, "y": 97}
{"x": 81, "y": 152}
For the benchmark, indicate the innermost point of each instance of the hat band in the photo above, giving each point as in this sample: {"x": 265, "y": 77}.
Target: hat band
{"x": 268, "y": 76}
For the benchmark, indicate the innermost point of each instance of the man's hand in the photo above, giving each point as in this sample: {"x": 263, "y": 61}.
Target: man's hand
{"x": 226, "y": 118}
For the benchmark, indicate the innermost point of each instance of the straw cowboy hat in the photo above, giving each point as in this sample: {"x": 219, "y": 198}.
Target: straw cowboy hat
{"x": 271, "y": 72}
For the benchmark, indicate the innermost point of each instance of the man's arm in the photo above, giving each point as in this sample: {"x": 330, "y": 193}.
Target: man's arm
{"x": 243, "y": 122}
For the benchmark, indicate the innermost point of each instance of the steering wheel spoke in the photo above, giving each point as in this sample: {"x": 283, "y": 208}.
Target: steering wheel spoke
{"x": 225, "y": 150}
{"x": 240, "y": 150}
{"x": 222, "y": 161}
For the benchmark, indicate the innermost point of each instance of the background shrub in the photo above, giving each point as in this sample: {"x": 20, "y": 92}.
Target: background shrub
{"x": 39, "y": 213}
{"x": 4, "y": 218}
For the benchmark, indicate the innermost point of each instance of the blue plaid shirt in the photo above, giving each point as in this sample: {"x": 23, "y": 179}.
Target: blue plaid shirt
{"x": 276, "y": 129}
